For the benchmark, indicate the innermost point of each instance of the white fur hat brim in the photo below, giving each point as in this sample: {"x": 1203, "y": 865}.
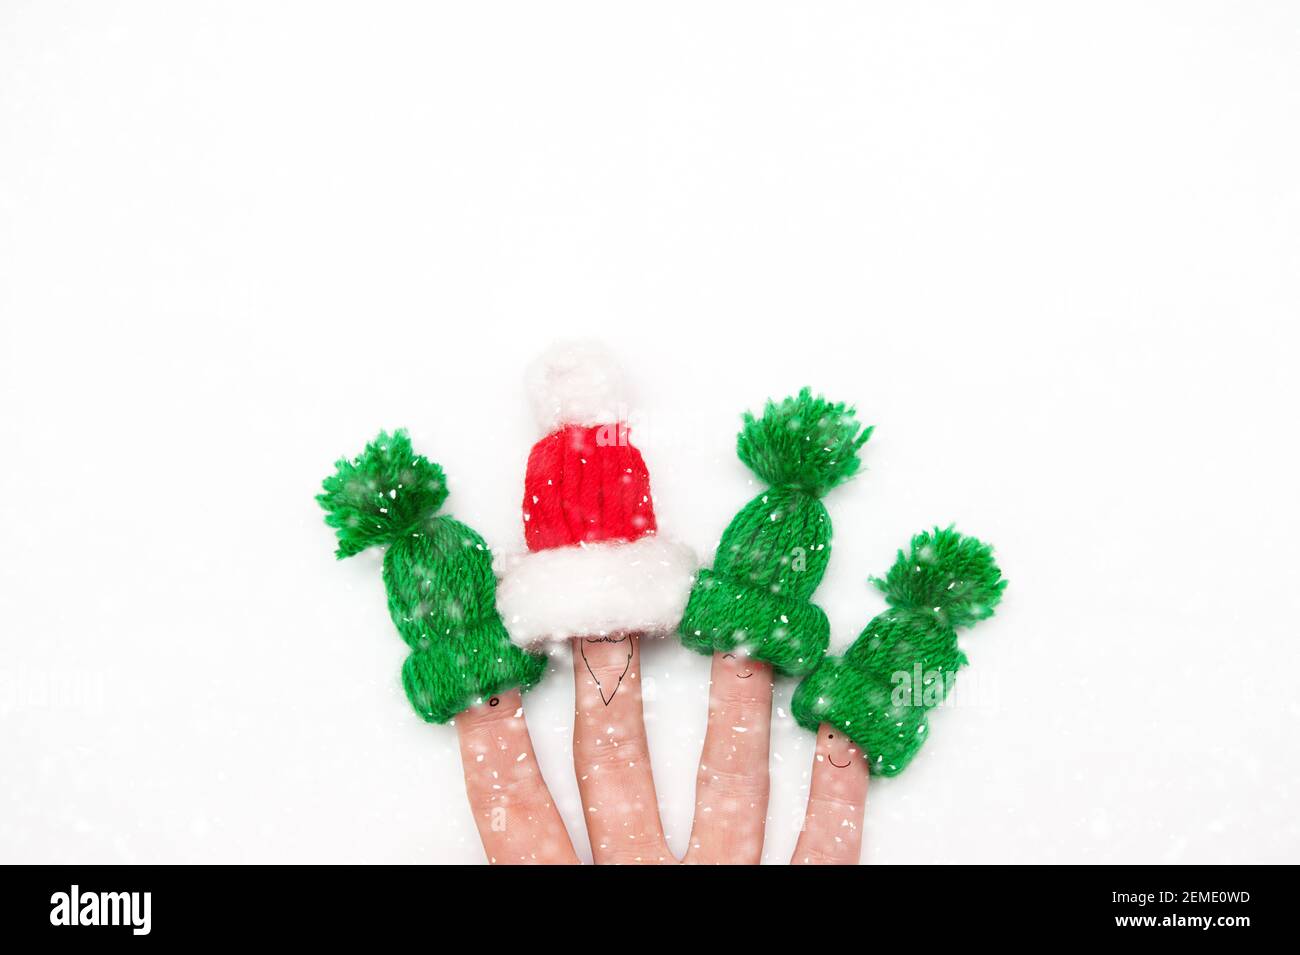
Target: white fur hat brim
{"x": 591, "y": 590}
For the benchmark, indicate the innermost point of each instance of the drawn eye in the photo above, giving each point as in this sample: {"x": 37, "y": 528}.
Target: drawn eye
{"x": 494, "y": 701}
{"x": 828, "y": 735}
{"x": 728, "y": 656}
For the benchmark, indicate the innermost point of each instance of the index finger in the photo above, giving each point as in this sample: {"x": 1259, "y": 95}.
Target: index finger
{"x": 516, "y": 817}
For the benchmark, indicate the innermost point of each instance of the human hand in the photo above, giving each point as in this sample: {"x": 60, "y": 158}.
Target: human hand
{"x": 596, "y": 566}
{"x": 598, "y": 572}
{"x": 517, "y": 818}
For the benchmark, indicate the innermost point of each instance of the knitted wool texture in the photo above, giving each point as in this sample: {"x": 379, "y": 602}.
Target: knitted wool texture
{"x": 903, "y": 664}
{"x": 438, "y": 573}
{"x": 757, "y": 597}
{"x": 596, "y": 564}
{"x": 585, "y": 485}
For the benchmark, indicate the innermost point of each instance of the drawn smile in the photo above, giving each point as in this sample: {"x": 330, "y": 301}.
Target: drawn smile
{"x": 837, "y": 765}
{"x": 739, "y": 676}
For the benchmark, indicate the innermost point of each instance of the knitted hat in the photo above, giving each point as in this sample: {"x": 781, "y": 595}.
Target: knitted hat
{"x": 438, "y": 572}
{"x": 596, "y": 564}
{"x": 758, "y": 594}
{"x": 903, "y": 664}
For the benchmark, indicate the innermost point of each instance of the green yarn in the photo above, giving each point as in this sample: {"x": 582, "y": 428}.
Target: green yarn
{"x": 385, "y": 491}
{"x": 804, "y": 443}
{"x": 757, "y": 597}
{"x": 903, "y": 664}
{"x": 438, "y": 573}
{"x": 949, "y": 574}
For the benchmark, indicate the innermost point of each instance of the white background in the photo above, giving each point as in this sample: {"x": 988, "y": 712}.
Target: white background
{"x": 1050, "y": 250}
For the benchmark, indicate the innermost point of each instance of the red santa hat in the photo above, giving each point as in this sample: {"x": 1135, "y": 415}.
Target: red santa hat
{"x": 596, "y": 563}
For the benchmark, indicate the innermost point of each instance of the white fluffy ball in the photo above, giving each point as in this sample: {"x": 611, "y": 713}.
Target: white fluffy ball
{"x": 576, "y": 383}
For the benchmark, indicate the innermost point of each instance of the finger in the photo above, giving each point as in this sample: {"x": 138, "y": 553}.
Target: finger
{"x": 611, "y": 756}
{"x": 515, "y": 814}
{"x": 837, "y": 797}
{"x": 731, "y": 788}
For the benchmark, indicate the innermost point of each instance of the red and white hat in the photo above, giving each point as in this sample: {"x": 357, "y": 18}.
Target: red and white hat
{"x": 596, "y": 563}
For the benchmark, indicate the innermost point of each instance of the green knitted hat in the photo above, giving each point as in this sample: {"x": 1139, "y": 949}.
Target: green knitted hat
{"x": 441, "y": 589}
{"x": 903, "y": 664}
{"x": 757, "y": 597}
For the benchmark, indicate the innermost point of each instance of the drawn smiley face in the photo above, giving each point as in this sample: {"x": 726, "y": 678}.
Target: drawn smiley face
{"x": 740, "y": 674}
{"x": 838, "y": 749}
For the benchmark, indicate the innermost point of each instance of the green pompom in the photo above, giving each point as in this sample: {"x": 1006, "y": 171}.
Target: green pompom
{"x": 382, "y": 494}
{"x": 947, "y": 574}
{"x": 804, "y": 443}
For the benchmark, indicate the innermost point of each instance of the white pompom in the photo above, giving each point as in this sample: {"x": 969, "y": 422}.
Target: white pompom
{"x": 576, "y": 383}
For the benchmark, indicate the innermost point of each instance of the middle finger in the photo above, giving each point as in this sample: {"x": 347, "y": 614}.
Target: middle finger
{"x": 611, "y": 756}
